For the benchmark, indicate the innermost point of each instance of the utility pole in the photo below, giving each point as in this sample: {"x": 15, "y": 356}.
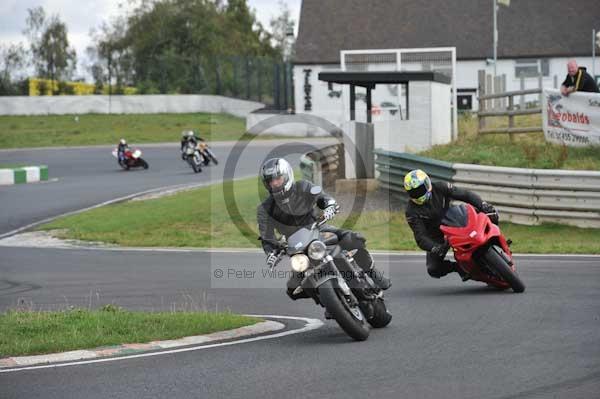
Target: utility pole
{"x": 495, "y": 37}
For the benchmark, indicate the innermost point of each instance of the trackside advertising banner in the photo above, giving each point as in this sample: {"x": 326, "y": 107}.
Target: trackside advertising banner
{"x": 572, "y": 120}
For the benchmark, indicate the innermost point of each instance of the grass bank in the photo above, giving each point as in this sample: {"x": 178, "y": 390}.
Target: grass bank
{"x": 92, "y": 129}
{"x": 33, "y": 332}
{"x": 200, "y": 218}
{"x": 524, "y": 151}
{"x": 11, "y": 165}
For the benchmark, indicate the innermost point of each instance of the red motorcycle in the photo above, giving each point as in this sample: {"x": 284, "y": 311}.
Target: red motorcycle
{"x": 131, "y": 159}
{"x": 480, "y": 248}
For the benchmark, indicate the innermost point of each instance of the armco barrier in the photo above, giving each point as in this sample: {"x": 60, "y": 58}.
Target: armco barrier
{"x": 527, "y": 196}
{"x": 324, "y": 166}
{"x": 25, "y": 174}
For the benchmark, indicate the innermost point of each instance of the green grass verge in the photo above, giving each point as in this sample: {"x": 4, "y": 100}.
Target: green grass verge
{"x": 200, "y": 218}
{"x": 524, "y": 151}
{"x": 33, "y": 332}
{"x": 11, "y": 165}
{"x": 92, "y": 129}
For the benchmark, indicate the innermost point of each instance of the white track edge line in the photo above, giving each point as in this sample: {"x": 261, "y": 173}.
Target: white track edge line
{"x": 311, "y": 324}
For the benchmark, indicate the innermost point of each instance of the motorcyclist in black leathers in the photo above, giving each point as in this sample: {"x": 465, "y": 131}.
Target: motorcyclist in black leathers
{"x": 425, "y": 211}
{"x": 291, "y": 205}
{"x": 190, "y": 136}
{"x": 121, "y": 148}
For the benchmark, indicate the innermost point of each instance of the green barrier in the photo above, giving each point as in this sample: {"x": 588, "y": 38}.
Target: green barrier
{"x": 43, "y": 172}
{"x": 20, "y": 176}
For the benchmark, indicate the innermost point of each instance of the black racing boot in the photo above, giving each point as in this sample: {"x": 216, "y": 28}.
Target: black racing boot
{"x": 377, "y": 276}
{"x": 463, "y": 275}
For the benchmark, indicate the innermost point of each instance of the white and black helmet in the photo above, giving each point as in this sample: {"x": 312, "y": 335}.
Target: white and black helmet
{"x": 272, "y": 170}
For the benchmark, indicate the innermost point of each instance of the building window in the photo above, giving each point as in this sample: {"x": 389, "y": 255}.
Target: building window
{"x": 531, "y": 67}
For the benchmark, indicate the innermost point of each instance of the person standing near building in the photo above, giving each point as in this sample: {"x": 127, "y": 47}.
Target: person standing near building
{"x": 577, "y": 80}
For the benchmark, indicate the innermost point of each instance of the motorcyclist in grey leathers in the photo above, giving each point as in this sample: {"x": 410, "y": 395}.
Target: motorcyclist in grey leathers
{"x": 290, "y": 206}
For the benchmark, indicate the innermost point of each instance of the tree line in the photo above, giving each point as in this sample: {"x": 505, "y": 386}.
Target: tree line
{"x": 161, "y": 46}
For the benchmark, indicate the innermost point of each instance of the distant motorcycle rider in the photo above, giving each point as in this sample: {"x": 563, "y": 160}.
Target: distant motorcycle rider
{"x": 428, "y": 205}
{"x": 290, "y": 206}
{"x": 189, "y": 136}
{"x": 121, "y": 148}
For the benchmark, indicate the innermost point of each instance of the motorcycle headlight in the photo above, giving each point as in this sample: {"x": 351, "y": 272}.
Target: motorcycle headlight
{"x": 317, "y": 250}
{"x": 299, "y": 263}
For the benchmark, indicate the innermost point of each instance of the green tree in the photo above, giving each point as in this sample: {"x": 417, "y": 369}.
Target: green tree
{"x": 112, "y": 60}
{"x": 13, "y": 58}
{"x": 282, "y": 31}
{"x": 52, "y": 56}
{"x": 184, "y": 46}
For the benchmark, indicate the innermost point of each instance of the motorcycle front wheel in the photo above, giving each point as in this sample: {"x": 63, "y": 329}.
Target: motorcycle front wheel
{"x": 144, "y": 164}
{"x": 196, "y": 167}
{"x": 350, "y": 319}
{"x": 495, "y": 261}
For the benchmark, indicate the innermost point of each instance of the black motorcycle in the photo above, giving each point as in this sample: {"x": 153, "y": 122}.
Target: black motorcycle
{"x": 331, "y": 277}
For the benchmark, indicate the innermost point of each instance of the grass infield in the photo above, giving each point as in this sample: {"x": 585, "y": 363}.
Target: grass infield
{"x": 528, "y": 150}
{"x": 93, "y": 129}
{"x": 200, "y": 218}
{"x": 35, "y": 332}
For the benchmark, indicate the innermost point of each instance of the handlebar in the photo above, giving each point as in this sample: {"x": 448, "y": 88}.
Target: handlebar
{"x": 278, "y": 244}
{"x": 318, "y": 223}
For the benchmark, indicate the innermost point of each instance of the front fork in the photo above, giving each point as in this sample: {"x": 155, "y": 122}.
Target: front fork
{"x": 357, "y": 292}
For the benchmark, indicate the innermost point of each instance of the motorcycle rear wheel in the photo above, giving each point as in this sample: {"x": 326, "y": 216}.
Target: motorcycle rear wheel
{"x": 498, "y": 263}
{"x": 332, "y": 299}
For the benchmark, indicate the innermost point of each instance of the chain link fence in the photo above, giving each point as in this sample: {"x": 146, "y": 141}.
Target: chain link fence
{"x": 262, "y": 79}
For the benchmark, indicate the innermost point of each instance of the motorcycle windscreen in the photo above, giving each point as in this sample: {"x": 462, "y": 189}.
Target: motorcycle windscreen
{"x": 456, "y": 216}
{"x": 300, "y": 240}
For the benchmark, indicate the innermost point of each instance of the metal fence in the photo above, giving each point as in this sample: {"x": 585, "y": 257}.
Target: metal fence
{"x": 263, "y": 79}
{"x": 436, "y": 59}
{"x": 526, "y": 196}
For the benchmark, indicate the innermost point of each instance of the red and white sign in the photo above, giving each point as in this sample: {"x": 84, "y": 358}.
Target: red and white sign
{"x": 572, "y": 120}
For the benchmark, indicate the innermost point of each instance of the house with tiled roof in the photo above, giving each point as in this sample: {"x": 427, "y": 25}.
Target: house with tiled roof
{"x": 534, "y": 37}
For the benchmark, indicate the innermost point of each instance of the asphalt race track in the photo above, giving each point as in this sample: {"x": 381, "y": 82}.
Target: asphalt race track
{"x": 89, "y": 176}
{"x": 448, "y": 339}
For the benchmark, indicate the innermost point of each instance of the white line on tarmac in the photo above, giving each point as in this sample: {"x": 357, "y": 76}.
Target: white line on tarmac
{"x": 311, "y": 324}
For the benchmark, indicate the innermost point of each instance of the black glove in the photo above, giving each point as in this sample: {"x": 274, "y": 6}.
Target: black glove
{"x": 491, "y": 211}
{"x": 440, "y": 250}
{"x": 487, "y": 208}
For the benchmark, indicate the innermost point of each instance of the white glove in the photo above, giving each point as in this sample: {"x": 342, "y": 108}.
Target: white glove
{"x": 329, "y": 212}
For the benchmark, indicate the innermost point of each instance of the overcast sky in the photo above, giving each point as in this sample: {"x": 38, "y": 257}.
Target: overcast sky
{"x": 82, "y": 15}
